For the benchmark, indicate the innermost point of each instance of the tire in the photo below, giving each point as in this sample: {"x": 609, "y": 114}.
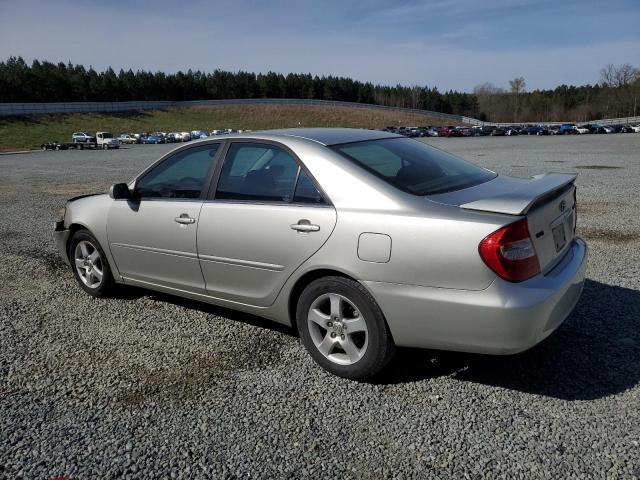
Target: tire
{"x": 333, "y": 312}
{"x": 96, "y": 278}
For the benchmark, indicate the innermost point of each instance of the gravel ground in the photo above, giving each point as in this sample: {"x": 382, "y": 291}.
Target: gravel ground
{"x": 148, "y": 385}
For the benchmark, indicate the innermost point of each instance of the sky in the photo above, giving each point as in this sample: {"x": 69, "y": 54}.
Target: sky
{"x": 450, "y": 44}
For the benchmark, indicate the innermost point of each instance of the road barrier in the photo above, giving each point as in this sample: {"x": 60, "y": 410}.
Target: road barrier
{"x": 22, "y": 109}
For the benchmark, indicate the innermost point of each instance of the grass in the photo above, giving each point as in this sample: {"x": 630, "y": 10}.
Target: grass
{"x": 30, "y": 132}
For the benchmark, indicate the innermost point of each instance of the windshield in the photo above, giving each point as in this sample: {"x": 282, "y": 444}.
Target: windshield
{"x": 413, "y": 166}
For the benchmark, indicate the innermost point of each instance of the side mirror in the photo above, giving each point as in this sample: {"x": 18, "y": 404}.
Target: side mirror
{"x": 120, "y": 191}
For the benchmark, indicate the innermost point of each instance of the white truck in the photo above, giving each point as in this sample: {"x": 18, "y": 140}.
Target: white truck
{"x": 104, "y": 140}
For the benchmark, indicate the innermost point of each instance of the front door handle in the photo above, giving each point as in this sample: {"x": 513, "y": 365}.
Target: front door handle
{"x": 304, "y": 226}
{"x": 184, "y": 219}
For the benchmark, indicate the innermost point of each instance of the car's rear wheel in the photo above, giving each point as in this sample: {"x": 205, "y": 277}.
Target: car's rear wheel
{"x": 90, "y": 265}
{"x": 343, "y": 328}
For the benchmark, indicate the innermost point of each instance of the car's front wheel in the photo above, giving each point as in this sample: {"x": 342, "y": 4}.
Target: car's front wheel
{"x": 343, "y": 328}
{"x": 90, "y": 265}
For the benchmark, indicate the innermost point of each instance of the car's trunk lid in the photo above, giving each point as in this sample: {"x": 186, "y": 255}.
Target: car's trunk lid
{"x": 546, "y": 200}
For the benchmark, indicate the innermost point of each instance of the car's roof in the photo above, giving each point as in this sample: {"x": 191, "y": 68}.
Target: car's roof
{"x": 330, "y": 136}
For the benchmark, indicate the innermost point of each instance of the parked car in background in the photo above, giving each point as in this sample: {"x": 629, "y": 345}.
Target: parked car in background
{"x": 499, "y": 132}
{"x": 448, "y": 131}
{"x": 567, "y": 129}
{"x": 626, "y": 129}
{"x": 217, "y": 131}
{"x": 152, "y": 139}
{"x": 511, "y": 131}
{"x": 635, "y": 128}
{"x": 127, "y": 138}
{"x": 82, "y": 137}
{"x": 55, "y": 145}
{"x": 536, "y": 130}
{"x": 196, "y": 134}
{"x": 582, "y": 129}
{"x": 362, "y": 240}
{"x": 161, "y": 135}
{"x": 173, "y": 137}
{"x": 604, "y": 129}
{"x": 139, "y": 136}
{"x": 454, "y": 131}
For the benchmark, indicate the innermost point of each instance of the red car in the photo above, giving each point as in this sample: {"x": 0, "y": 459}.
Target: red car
{"x": 443, "y": 131}
{"x": 449, "y": 131}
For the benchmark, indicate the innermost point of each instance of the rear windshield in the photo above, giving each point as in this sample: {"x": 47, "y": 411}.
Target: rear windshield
{"x": 413, "y": 166}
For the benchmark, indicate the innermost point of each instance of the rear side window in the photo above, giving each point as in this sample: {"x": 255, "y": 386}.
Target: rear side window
{"x": 413, "y": 166}
{"x": 253, "y": 171}
{"x": 182, "y": 175}
{"x": 306, "y": 191}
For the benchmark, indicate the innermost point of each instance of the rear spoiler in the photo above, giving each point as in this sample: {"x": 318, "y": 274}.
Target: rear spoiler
{"x": 520, "y": 201}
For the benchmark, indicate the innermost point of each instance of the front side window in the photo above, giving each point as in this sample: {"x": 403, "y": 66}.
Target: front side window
{"x": 254, "y": 171}
{"x": 413, "y": 166}
{"x": 182, "y": 175}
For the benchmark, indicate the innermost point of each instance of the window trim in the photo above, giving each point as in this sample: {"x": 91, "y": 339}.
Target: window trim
{"x": 168, "y": 156}
{"x": 210, "y": 198}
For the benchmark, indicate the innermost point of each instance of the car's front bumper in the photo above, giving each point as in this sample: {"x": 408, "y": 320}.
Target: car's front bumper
{"x": 61, "y": 236}
{"x": 502, "y": 319}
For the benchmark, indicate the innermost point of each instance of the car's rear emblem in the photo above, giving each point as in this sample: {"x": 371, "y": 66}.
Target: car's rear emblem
{"x": 563, "y": 205}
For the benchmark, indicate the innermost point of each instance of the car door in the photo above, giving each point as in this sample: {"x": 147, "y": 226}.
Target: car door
{"x": 152, "y": 237}
{"x": 264, "y": 219}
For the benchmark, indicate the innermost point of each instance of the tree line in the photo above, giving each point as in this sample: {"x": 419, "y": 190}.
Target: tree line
{"x": 43, "y": 81}
{"x": 616, "y": 95}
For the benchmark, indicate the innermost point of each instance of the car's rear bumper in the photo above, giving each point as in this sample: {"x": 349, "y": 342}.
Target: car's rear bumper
{"x": 502, "y": 319}
{"x": 61, "y": 236}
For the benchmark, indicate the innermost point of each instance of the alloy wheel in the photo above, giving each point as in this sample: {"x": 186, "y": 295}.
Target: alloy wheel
{"x": 338, "y": 329}
{"x": 88, "y": 264}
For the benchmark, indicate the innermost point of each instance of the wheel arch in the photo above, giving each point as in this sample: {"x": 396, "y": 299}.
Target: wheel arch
{"x": 302, "y": 283}
{"x": 73, "y": 228}
{"x": 76, "y": 226}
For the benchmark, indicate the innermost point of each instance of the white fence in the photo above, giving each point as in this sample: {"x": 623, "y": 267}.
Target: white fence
{"x": 21, "y": 109}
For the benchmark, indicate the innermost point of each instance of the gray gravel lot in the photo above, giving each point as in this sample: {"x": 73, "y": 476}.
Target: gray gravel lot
{"x": 147, "y": 385}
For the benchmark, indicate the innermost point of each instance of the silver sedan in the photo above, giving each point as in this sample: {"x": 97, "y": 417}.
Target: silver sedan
{"x": 361, "y": 240}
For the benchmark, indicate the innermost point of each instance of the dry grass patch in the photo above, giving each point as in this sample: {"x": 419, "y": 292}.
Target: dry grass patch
{"x": 31, "y": 132}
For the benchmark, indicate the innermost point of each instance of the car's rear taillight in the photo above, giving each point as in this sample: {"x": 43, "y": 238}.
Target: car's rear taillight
{"x": 510, "y": 252}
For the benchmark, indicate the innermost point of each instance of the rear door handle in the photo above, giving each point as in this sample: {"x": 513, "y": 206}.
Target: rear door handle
{"x": 304, "y": 226}
{"x": 184, "y": 219}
